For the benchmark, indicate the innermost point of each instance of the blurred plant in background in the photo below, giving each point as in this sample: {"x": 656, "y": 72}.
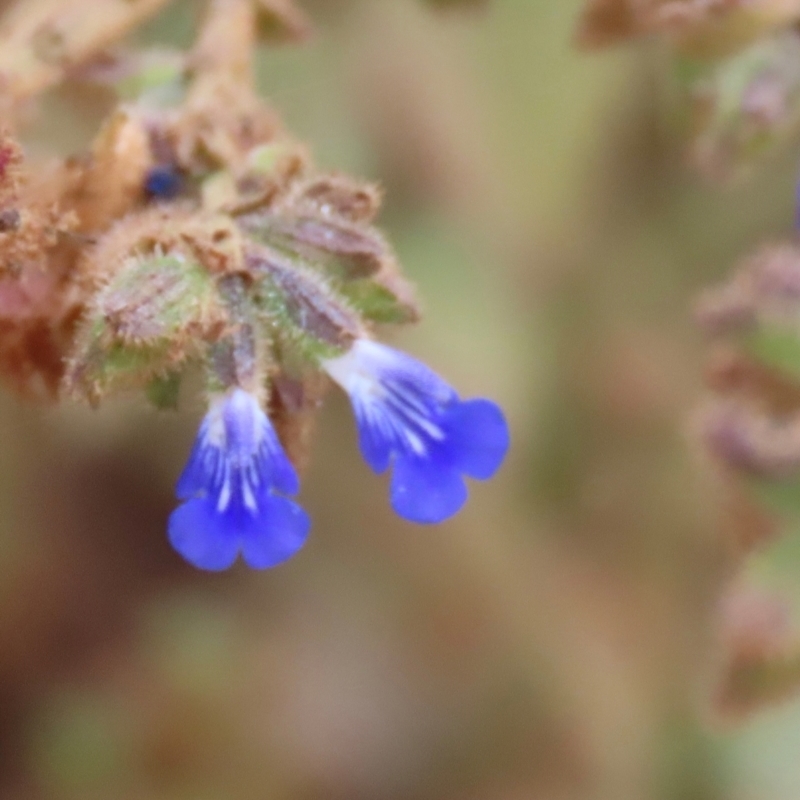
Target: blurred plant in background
{"x": 736, "y": 67}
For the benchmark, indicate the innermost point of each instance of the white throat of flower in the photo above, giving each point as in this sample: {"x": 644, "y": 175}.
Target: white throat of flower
{"x": 243, "y": 461}
{"x": 397, "y": 415}
{"x": 355, "y": 374}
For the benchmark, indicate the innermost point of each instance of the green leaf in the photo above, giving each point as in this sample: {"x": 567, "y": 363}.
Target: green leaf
{"x": 377, "y": 303}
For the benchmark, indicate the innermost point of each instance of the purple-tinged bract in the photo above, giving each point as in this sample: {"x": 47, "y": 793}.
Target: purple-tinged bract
{"x": 232, "y": 487}
{"x": 408, "y": 417}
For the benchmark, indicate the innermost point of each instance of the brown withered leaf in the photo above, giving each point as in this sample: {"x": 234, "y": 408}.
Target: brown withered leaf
{"x": 34, "y": 227}
{"x": 30, "y": 243}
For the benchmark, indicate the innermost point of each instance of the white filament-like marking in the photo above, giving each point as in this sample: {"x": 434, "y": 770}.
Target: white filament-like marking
{"x": 397, "y": 415}
{"x": 228, "y": 467}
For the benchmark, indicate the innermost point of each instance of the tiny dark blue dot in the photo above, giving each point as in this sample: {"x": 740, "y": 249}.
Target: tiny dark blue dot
{"x": 163, "y": 182}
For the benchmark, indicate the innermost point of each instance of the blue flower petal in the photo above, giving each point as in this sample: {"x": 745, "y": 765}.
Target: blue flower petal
{"x": 422, "y": 491}
{"x": 282, "y": 473}
{"x": 194, "y": 478}
{"x": 374, "y": 445}
{"x": 477, "y": 436}
{"x": 407, "y": 415}
{"x": 212, "y": 540}
{"x": 236, "y": 464}
{"x": 202, "y": 535}
{"x": 250, "y": 437}
{"x": 280, "y": 531}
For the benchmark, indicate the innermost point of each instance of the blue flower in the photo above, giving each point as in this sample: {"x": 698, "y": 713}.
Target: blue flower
{"x": 229, "y": 486}
{"x": 409, "y": 417}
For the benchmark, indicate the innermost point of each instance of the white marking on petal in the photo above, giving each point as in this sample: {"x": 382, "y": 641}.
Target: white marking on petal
{"x": 248, "y": 496}
{"x": 224, "y": 495}
{"x": 396, "y": 397}
{"x": 236, "y": 439}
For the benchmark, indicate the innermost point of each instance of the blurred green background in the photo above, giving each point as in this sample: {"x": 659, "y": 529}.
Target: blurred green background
{"x": 556, "y": 640}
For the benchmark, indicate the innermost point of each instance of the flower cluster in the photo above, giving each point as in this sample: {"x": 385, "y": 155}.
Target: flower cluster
{"x": 235, "y": 483}
{"x": 198, "y": 234}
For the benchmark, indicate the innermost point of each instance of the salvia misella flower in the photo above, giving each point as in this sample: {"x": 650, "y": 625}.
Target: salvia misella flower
{"x": 408, "y": 417}
{"x": 233, "y": 487}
